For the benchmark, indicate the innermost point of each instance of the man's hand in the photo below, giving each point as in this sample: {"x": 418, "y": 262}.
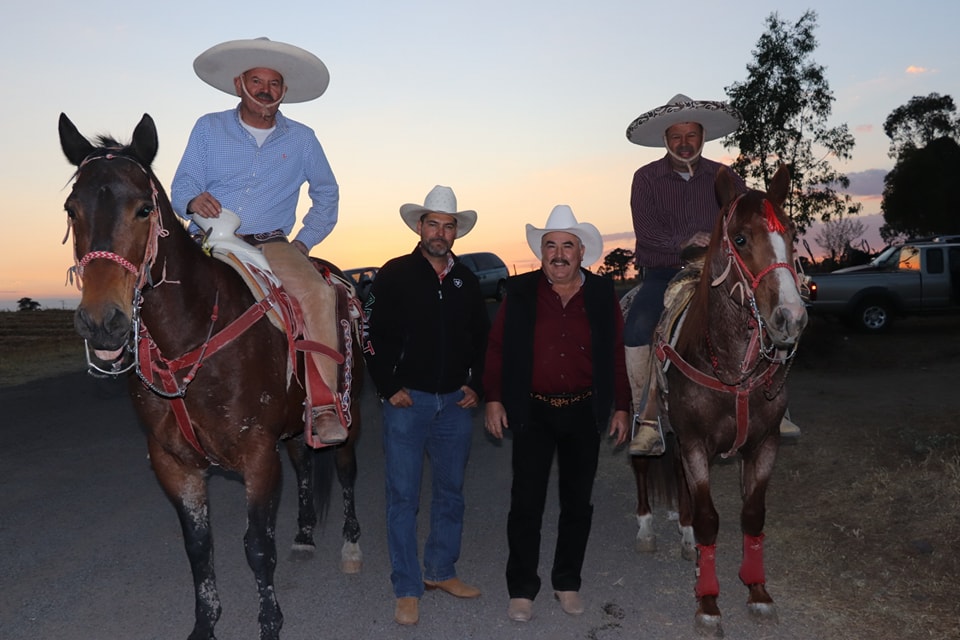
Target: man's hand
{"x": 302, "y": 248}
{"x": 401, "y": 399}
{"x": 618, "y": 427}
{"x": 495, "y": 419}
{"x": 699, "y": 239}
{"x": 205, "y": 206}
{"x": 470, "y": 398}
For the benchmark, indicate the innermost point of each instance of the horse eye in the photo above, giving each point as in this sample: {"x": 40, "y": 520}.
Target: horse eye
{"x": 70, "y": 213}
{"x": 739, "y": 240}
{"x": 145, "y": 211}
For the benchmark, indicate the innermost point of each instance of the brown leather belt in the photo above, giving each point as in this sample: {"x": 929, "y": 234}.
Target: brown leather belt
{"x": 561, "y": 399}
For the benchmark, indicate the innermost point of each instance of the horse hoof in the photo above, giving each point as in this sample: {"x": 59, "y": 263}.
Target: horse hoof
{"x": 646, "y": 541}
{"x": 708, "y": 626}
{"x": 763, "y": 612}
{"x": 646, "y": 544}
{"x": 351, "y": 558}
{"x": 688, "y": 545}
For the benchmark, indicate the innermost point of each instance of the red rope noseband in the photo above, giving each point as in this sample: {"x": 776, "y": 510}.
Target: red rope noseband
{"x": 106, "y": 255}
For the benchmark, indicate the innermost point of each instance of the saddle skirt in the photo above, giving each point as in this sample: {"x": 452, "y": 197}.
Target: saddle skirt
{"x": 221, "y": 242}
{"x": 676, "y": 300}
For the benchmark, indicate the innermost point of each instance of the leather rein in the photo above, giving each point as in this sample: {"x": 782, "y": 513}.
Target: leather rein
{"x": 759, "y": 348}
{"x": 142, "y": 346}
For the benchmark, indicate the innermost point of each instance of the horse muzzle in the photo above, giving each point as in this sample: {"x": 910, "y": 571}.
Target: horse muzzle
{"x": 106, "y": 330}
{"x": 785, "y": 325}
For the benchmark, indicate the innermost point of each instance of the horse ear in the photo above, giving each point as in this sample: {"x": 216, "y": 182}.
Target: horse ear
{"x": 145, "y": 142}
{"x": 74, "y": 145}
{"x": 724, "y": 186}
{"x": 779, "y": 185}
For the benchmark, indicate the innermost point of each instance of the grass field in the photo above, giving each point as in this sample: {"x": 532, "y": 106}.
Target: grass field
{"x": 37, "y": 344}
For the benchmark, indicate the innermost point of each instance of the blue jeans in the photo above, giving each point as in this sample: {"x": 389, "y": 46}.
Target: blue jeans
{"x": 647, "y": 307}
{"x": 434, "y": 425}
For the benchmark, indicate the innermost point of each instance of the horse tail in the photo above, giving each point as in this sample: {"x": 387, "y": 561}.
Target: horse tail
{"x": 662, "y": 478}
{"x": 324, "y": 465}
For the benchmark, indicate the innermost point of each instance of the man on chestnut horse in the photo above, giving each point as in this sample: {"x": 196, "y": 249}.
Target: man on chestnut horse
{"x": 253, "y": 160}
{"x": 674, "y": 208}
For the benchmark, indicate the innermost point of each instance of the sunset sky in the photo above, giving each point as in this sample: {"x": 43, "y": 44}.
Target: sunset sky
{"x": 518, "y": 105}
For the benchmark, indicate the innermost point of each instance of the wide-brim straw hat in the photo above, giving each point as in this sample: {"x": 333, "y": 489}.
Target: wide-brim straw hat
{"x": 718, "y": 119}
{"x": 441, "y": 199}
{"x": 562, "y": 219}
{"x": 304, "y": 74}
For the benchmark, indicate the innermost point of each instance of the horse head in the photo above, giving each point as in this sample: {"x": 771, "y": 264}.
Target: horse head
{"x": 113, "y": 210}
{"x": 756, "y": 248}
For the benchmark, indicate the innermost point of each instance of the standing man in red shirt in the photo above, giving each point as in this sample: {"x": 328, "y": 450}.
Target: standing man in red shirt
{"x": 554, "y": 371}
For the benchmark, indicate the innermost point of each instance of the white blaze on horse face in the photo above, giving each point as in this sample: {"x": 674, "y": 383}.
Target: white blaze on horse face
{"x": 787, "y": 285}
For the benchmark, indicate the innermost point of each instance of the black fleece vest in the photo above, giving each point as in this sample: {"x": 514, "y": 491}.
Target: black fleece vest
{"x": 519, "y": 327}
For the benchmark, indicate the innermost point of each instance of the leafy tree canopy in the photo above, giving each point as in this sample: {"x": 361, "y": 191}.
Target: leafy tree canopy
{"x": 784, "y": 105}
{"x": 920, "y": 195}
{"x": 27, "y": 304}
{"x": 617, "y": 263}
{"x": 921, "y": 121}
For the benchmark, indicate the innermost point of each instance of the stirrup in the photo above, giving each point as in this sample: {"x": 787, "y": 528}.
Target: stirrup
{"x": 644, "y": 443}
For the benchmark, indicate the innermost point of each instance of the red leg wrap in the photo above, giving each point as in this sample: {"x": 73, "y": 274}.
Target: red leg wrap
{"x": 751, "y": 570}
{"x": 707, "y": 584}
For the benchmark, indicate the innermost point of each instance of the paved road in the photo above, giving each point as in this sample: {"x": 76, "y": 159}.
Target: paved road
{"x": 91, "y": 548}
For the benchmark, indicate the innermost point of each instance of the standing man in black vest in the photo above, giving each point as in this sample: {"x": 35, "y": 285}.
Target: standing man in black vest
{"x": 554, "y": 371}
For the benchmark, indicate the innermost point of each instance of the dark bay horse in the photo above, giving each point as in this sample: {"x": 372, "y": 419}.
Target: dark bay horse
{"x": 216, "y": 383}
{"x": 724, "y": 364}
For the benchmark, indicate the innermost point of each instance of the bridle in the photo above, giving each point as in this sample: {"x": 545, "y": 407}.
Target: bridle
{"x": 142, "y": 346}
{"x": 142, "y": 272}
{"x": 751, "y": 376}
{"x": 745, "y": 287}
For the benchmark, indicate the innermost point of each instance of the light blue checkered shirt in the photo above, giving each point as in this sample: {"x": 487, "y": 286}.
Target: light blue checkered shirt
{"x": 260, "y": 184}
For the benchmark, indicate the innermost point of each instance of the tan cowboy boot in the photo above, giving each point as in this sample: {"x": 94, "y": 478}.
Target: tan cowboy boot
{"x": 647, "y": 437}
{"x": 788, "y": 428}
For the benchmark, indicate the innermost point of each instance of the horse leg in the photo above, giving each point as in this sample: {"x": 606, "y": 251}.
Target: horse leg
{"x": 262, "y": 481}
{"x": 706, "y": 523}
{"x": 302, "y": 459}
{"x": 688, "y": 544}
{"x": 186, "y": 487}
{"x": 351, "y": 557}
{"x": 756, "y": 469}
{"x": 646, "y": 541}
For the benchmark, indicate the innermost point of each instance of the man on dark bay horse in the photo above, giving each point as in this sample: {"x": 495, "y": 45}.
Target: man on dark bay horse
{"x": 674, "y": 207}
{"x": 252, "y": 160}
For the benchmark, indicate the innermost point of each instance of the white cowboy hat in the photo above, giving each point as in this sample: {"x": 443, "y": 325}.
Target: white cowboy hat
{"x": 718, "y": 119}
{"x": 304, "y": 74}
{"x": 562, "y": 219}
{"x": 440, "y": 200}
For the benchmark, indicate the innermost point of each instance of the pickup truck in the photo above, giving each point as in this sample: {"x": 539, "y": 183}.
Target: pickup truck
{"x": 913, "y": 278}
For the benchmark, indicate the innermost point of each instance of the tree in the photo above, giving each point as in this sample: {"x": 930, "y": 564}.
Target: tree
{"x": 27, "y": 304}
{"x": 617, "y": 263}
{"x": 784, "y": 105}
{"x": 837, "y": 235}
{"x": 920, "y": 196}
{"x": 921, "y": 121}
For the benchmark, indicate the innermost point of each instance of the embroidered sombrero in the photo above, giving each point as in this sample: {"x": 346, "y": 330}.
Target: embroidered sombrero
{"x": 304, "y": 74}
{"x": 717, "y": 118}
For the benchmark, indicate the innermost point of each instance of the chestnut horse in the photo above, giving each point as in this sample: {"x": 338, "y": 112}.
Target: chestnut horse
{"x": 216, "y": 383}
{"x": 722, "y": 378}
